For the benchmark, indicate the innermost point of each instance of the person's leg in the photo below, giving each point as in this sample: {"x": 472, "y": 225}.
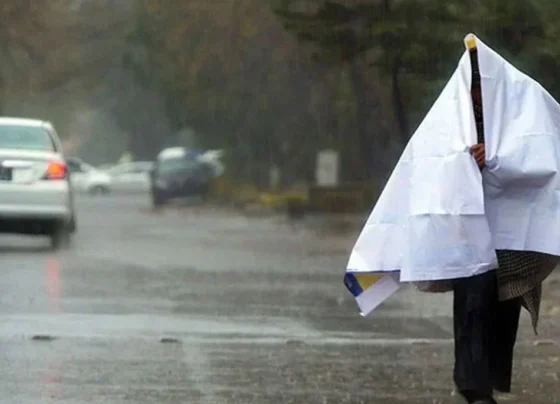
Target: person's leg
{"x": 506, "y": 326}
{"x": 474, "y": 307}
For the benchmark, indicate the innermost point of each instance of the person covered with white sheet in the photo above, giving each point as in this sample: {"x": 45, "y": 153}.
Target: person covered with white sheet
{"x": 472, "y": 207}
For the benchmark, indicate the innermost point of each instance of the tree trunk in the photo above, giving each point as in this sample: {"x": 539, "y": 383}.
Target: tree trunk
{"x": 363, "y": 110}
{"x": 2, "y": 83}
{"x": 387, "y": 5}
{"x": 398, "y": 103}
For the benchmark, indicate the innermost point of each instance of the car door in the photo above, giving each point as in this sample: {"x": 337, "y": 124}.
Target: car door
{"x": 140, "y": 180}
{"x": 131, "y": 177}
{"x": 121, "y": 177}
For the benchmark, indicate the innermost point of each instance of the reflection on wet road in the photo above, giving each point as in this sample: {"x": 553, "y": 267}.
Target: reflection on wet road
{"x": 200, "y": 306}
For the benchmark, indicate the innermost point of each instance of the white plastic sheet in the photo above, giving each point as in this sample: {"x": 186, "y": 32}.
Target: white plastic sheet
{"x": 439, "y": 217}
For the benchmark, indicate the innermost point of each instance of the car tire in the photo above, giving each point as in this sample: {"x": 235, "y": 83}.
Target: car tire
{"x": 99, "y": 190}
{"x": 73, "y": 225}
{"x": 157, "y": 200}
{"x": 60, "y": 236}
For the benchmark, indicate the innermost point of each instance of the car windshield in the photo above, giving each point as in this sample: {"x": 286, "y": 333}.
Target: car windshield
{"x": 25, "y": 138}
{"x": 171, "y": 165}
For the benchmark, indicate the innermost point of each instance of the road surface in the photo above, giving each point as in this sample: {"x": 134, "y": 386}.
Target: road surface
{"x": 207, "y": 306}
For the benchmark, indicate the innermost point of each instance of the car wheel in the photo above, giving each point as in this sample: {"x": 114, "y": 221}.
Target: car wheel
{"x": 99, "y": 190}
{"x": 72, "y": 225}
{"x": 60, "y": 236}
{"x": 157, "y": 200}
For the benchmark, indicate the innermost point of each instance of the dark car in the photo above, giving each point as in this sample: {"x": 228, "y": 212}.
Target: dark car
{"x": 179, "y": 175}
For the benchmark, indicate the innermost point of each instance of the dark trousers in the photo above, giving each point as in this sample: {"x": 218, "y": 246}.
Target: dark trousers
{"x": 485, "y": 333}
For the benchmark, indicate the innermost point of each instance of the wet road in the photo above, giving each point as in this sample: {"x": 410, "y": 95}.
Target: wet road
{"x": 201, "y": 306}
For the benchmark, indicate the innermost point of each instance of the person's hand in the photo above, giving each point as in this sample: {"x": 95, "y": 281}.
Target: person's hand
{"x": 478, "y": 151}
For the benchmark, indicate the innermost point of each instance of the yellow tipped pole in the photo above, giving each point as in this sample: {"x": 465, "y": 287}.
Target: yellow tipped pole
{"x": 470, "y": 41}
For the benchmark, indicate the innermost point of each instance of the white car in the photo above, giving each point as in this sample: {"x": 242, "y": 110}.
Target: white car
{"x": 105, "y": 167}
{"x": 86, "y": 178}
{"x": 131, "y": 177}
{"x": 35, "y": 192}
